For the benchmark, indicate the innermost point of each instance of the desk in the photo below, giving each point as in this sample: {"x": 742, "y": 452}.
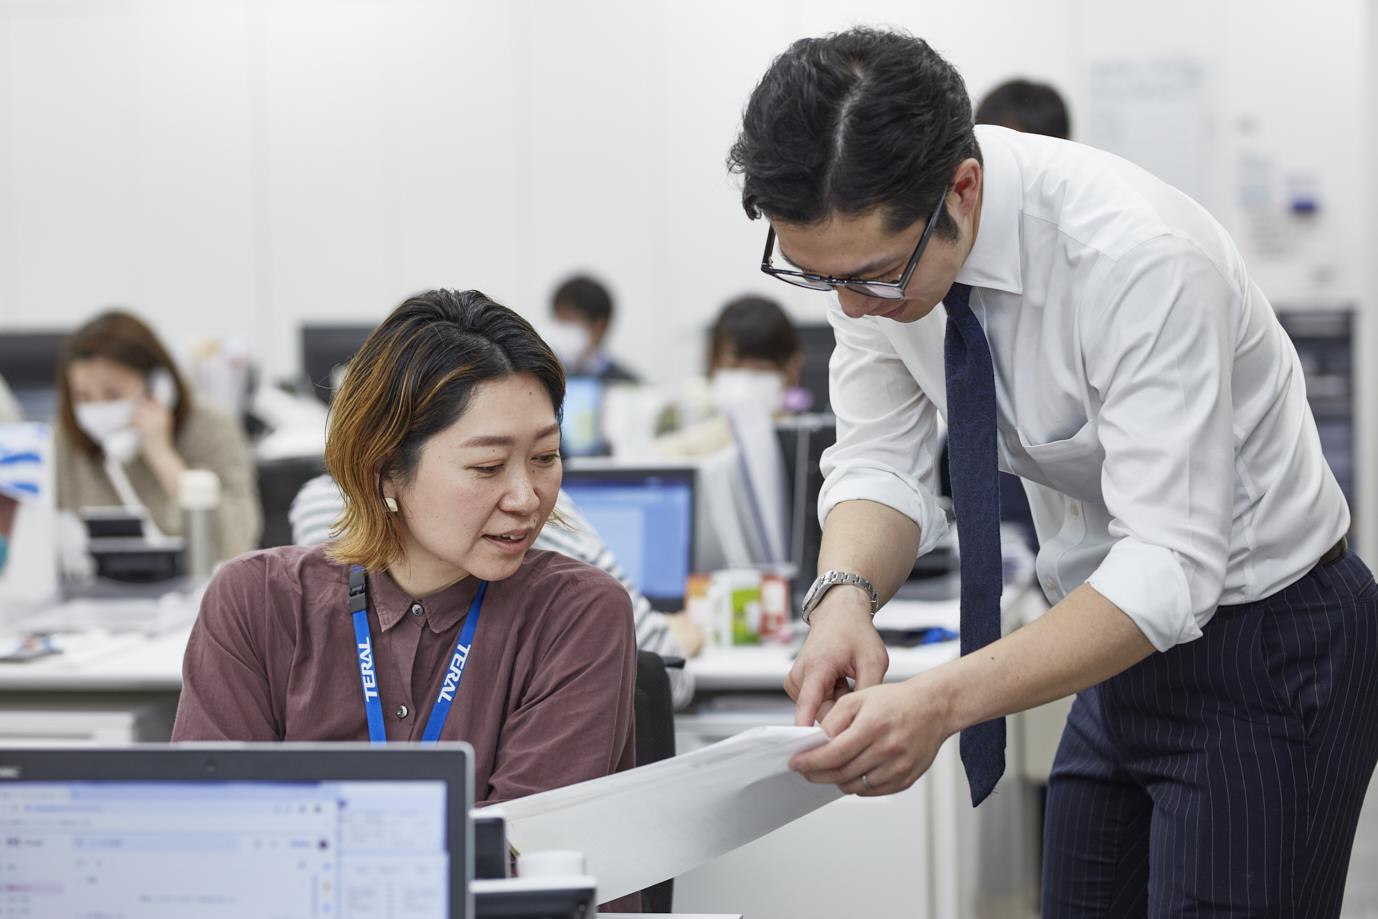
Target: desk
{"x": 111, "y": 684}
{"x": 916, "y": 853}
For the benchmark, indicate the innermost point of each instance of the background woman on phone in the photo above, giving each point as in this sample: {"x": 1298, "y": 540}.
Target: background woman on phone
{"x": 122, "y": 402}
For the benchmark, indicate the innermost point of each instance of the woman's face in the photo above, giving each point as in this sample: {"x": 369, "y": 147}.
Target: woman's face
{"x": 483, "y": 487}
{"x": 99, "y": 379}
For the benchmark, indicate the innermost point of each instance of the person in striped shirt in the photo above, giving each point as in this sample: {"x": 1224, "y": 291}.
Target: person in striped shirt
{"x": 319, "y": 504}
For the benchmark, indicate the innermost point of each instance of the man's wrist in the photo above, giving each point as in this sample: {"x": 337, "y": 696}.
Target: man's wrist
{"x": 842, "y": 597}
{"x": 937, "y": 691}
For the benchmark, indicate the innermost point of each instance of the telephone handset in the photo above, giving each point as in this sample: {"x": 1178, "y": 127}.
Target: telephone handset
{"x": 162, "y": 387}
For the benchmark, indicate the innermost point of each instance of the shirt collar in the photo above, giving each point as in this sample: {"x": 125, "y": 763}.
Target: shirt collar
{"x": 443, "y": 610}
{"x": 994, "y": 260}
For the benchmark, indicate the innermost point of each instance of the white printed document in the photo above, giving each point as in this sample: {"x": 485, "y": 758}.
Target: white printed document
{"x": 639, "y": 827}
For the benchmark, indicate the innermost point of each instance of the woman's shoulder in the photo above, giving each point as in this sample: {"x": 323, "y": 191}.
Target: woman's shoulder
{"x": 572, "y": 583}
{"x": 278, "y": 573}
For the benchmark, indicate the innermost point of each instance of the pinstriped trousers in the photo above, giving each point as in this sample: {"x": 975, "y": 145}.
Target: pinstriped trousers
{"x": 1225, "y": 776}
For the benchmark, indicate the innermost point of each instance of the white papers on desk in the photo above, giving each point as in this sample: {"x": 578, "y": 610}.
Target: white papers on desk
{"x": 639, "y": 827}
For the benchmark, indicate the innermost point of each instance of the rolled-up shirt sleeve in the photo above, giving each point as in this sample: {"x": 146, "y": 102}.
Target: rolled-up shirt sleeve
{"x": 1159, "y": 350}
{"x": 888, "y": 439}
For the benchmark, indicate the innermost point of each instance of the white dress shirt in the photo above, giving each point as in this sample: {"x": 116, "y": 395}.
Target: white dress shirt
{"x": 1146, "y": 394}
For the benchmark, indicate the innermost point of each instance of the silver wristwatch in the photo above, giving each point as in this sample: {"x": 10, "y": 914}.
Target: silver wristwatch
{"x": 828, "y": 579}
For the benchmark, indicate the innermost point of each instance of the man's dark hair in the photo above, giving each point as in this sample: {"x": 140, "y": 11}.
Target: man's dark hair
{"x": 586, "y": 296}
{"x": 754, "y": 328}
{"x": 1034, "y": 108}
{"x": 851, "y": 122}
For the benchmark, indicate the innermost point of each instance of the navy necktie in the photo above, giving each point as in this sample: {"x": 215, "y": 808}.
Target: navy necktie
{"x": 976, "y": 499}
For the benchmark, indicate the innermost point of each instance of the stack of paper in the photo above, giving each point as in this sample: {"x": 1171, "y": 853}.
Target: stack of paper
{"x": 638, "y": 828}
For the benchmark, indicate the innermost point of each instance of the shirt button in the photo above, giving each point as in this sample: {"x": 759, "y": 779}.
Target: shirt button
{"x": 416, "y": 609}
{"x": 1075, "y": 511}
{"x": 1050, "y": 584}
{"x": 403, "y": 711}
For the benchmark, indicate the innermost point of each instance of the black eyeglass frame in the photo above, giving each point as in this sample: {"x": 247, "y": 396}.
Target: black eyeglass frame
{"x": 881, "y": 290}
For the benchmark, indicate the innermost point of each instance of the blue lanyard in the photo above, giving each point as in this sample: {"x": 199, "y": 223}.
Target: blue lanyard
{"x": 368, "y": 676}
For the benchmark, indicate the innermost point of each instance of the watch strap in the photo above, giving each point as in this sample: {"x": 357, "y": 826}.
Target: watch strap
{"x": 829, "y": 579}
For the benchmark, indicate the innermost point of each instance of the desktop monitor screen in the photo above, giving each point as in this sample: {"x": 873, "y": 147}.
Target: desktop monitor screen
{"x": 581, "y": 431}
{"x": 646, "y": 517}
{"x": 202, "y": 832}
{"x": 28, "y": 361}
{"x": 325, "y": 349}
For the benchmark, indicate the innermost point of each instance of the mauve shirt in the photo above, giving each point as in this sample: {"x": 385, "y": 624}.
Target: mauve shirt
{"x": 546, "y": 698}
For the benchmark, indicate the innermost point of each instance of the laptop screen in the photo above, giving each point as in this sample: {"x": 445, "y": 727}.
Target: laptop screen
{"x": 220, "y": 849}
{"x": 646, "y": 517}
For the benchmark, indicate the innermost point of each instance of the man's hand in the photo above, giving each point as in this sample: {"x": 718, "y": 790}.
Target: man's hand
{"x": 842, "y": 643}
{"x": 890, "y": 734}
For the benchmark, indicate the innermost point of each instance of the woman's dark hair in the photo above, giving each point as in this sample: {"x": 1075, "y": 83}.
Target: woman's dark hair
{"x": 753, "y": 328}
{"x": 851, "y": 122}
{"x": 1034, "y": 108}
{"x": 122, "y": 337}
{"x": 413, "y": 377}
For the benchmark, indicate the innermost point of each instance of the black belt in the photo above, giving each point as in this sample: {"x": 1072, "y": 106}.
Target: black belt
{"x": 1334, "y": 553}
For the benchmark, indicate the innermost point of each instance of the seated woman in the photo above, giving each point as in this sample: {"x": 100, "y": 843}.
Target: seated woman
{"x": 122, "y": 404}
{"x": 445, "y": 441}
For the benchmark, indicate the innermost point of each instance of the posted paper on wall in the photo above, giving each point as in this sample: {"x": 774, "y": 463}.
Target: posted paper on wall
{"x": 639, "y": 827}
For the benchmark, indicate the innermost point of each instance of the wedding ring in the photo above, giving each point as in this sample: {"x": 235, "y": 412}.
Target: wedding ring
{"x": 865, "y": 781}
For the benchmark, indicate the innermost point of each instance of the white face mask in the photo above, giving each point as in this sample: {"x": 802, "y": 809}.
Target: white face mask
{"x": 110, "y": 424}
{"x": 742, "y": 386}
{"x": 570, "y": 342}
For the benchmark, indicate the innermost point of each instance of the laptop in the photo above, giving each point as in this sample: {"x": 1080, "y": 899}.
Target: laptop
{"x": 645, "y": 515}
{"x": 205, "y": 831}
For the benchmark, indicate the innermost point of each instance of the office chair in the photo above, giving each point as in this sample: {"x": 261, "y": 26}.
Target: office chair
{"x": 278, "y": 483}
{"x": 654, "y": 717}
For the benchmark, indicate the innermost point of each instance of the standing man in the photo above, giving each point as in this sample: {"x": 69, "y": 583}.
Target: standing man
{"x": 1092, "y": 330}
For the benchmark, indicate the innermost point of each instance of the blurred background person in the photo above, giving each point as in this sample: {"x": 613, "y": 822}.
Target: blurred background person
{"x": 583, "y": 309}
{"x": 1023, "y": 105}
{"x": 754, "y": 359}
{"x": 121, "y": 401}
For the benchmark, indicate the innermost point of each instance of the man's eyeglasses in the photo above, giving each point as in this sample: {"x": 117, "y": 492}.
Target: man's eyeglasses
{"x": 885, "y": 290}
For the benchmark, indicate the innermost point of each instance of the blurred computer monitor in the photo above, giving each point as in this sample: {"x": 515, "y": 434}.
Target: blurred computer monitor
{"x": 646, "y": 517}
{"x": 28, "y": 362}
{"x": 581, "y": 427}
{"x": 325, "y": 350}
{"x": 803, "y": 438}
{"x": 817, "y": 344}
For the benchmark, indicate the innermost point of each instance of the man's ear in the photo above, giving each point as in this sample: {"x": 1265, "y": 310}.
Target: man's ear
{"x": 966, "y": 186}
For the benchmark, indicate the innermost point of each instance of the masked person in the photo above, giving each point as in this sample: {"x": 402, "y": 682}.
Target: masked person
{"x": 124, "y": 412}
{"x": 583, "y": 312}
{"x": 754, "y": 362}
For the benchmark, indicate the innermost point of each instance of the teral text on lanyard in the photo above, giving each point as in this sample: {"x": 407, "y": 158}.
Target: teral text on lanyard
{"x": 368, "y": 676}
